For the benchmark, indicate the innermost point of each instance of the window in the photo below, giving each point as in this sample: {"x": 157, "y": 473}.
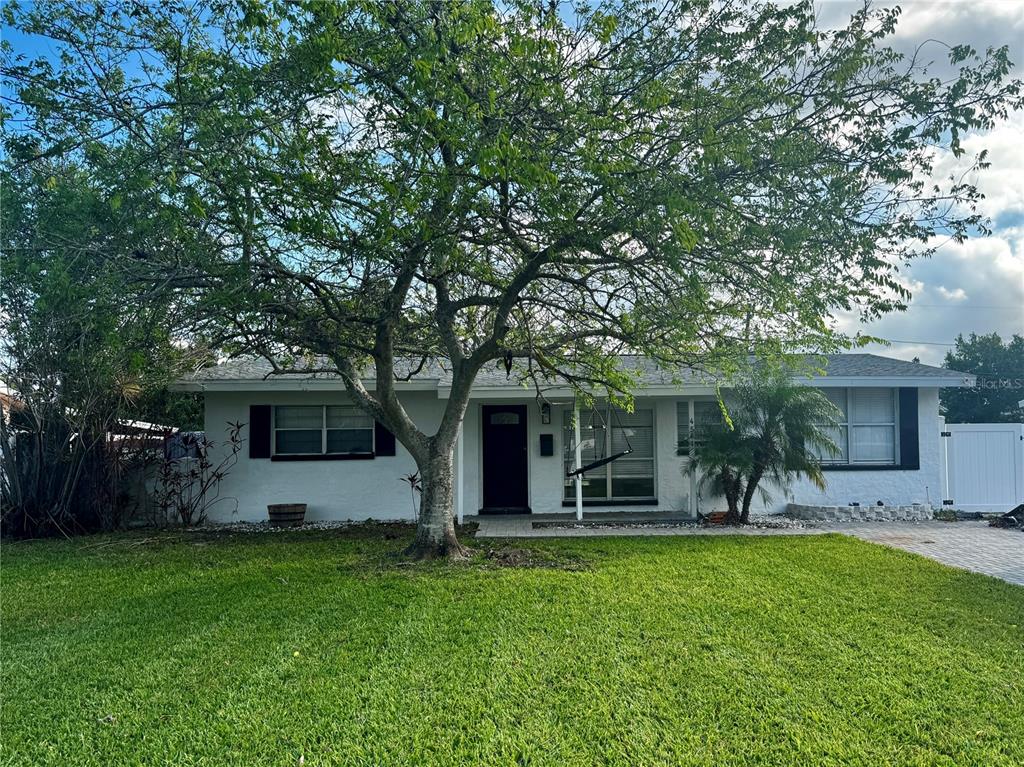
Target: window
{"x": 602, "y": 435}
{"x": 322, "y": 430}
{"x": 707, "y": 415}
{"x": 867, "y": 432}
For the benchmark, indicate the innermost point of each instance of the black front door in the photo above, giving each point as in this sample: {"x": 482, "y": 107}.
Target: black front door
{"x": 504, "y": 435}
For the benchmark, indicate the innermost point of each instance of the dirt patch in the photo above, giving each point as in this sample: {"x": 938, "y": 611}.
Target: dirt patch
{"x": 530, "y": 558}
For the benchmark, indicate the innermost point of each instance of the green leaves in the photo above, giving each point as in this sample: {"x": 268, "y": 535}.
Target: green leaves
{"x": 691, "y": 181}
{"x": 999, "y": 367}
{"x": 194, "y": 204}
{"x": 605, "y": 25}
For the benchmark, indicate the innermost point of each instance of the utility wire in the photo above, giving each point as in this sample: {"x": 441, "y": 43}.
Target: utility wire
{"x": 1004, "y": 307}
{"x": 924, "y": 343}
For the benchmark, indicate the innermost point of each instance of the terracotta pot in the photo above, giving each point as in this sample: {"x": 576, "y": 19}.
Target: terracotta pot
{"x": 286, "y": 514}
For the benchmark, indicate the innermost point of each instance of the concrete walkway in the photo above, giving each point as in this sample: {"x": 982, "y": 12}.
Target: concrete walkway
{"x": 968, "y": 545}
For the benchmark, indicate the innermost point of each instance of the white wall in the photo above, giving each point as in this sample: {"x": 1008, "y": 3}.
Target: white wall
{"x": 356, "y": 490}
{"x": 546, "y": 473}
{"x": 360, "y": 490}
{"x": 893, "y": 486}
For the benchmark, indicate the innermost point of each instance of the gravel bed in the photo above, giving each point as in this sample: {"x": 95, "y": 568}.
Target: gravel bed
{"x": 611, "y": 525}
{"x": 766, "y": 523}
{"x": 265, "y": 527}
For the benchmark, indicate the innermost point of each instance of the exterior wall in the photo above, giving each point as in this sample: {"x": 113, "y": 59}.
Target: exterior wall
{"x": 353, "y": 490}
{"x": 373, "y": 489}
{"x": 895, "y": 487}
{"x": 546, "y": 475}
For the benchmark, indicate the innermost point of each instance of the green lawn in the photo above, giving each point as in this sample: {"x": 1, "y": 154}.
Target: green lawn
{"x": 261, "y": 649}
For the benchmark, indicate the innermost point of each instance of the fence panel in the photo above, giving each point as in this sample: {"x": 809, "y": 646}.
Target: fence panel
{"x": 984, "y": 465}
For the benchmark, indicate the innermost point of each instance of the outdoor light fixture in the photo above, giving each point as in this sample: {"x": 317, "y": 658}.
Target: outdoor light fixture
{"x": 545, "y": 413}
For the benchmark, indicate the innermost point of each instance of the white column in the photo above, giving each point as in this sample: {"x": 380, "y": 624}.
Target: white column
{"x": 693, "y": 473}
{"x": 459, "y": 492}
{"x": 578, "y": 459}
{"x": 945, "y": 462}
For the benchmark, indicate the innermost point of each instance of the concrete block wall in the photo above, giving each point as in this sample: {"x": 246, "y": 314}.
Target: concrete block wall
{"x": 905, "y": 513}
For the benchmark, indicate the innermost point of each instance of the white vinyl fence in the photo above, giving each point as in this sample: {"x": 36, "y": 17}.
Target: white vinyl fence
{"x": 984, "y": 466}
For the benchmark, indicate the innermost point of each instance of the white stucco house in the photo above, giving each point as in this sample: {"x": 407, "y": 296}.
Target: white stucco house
{"x": 305, "y": 443}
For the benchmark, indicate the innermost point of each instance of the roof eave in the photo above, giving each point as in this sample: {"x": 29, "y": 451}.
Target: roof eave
{"x": 290, "y": 384}
{"x": 921, "y": 382}
{"x": 708, "y": 388}
{"x": 443, "y": 390}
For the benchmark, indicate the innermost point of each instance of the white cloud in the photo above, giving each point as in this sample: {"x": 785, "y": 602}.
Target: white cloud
{"x": 971, "y": 287}
{"x": 1003, "y": 182}
{"x": 976, "y": 286}
{"x": 958, "y": 294}
{"x": 980, "y": 23}
{"x": 1002, "y": 20}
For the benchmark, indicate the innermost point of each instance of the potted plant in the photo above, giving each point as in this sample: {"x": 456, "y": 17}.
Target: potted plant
{"x": 286, "y": 514}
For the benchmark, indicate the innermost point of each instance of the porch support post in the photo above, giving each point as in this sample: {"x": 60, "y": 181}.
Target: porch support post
{"x": 945, "y": 464}
{"x": 578, "y": 460}
{"x": 459, "y": 486}
{"x": 690, "y": 412}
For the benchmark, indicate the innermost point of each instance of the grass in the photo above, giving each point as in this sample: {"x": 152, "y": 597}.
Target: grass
{"x": 264, "y": 649}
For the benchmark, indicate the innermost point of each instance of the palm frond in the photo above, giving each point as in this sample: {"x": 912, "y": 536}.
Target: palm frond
{"x": 778, "y": 432}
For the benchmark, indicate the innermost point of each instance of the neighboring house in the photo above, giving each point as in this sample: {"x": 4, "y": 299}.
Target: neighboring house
{"x": 307, "y": 444}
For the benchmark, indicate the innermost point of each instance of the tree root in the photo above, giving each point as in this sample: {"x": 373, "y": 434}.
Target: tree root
{"x": 449, "y": 549}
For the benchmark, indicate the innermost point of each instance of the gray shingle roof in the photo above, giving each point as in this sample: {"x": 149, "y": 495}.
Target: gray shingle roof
{"x": 650, "y": 374}
{"x": 857, "y": 365}
{"x": 249, "y": 369}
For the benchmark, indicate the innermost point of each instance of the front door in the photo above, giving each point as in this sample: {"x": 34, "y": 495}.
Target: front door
{"x": 504, "y": 460}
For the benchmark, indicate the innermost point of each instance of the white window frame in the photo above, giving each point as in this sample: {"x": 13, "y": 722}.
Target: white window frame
{"x": 687, "y": 426}
{"x": 610, "y": 423}
{"x": 849, "y": 424}
{"x": 323, "y": 433}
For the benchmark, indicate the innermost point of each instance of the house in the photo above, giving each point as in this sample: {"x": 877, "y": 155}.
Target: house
{"x": 308, "y": 444}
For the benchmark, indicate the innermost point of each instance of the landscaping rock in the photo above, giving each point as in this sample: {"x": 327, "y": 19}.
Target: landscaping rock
{"x": 1013, "y": 519}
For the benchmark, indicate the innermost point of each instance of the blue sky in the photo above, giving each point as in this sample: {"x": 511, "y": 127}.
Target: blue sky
{"x": 977, "y": 286}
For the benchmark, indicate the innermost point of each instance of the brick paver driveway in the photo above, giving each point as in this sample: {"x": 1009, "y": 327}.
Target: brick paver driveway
{"x": 968, "y": 545}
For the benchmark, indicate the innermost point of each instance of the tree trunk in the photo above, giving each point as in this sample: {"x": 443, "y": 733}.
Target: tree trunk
{"x": 732, "y": 502}
{"x": 435, "y": 533}
{"x": 748, "y": 495}
{"x": 732, "y": 498}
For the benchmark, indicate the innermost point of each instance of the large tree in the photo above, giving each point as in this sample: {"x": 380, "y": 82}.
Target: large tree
{"x": 999, "y": 367}
{"x": 356, "y": 183}
{"x": 81, "y": 358}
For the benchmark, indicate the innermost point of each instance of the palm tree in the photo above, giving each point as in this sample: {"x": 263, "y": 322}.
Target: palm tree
{"x": 777, "y": 432}
{"x": 721, "y": 459}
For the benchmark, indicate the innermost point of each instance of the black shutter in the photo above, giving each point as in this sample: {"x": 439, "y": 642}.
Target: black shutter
{"x": 910, "y": 452}
{"x": 383, "y": 440}
{"x": 259, "y": 431}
